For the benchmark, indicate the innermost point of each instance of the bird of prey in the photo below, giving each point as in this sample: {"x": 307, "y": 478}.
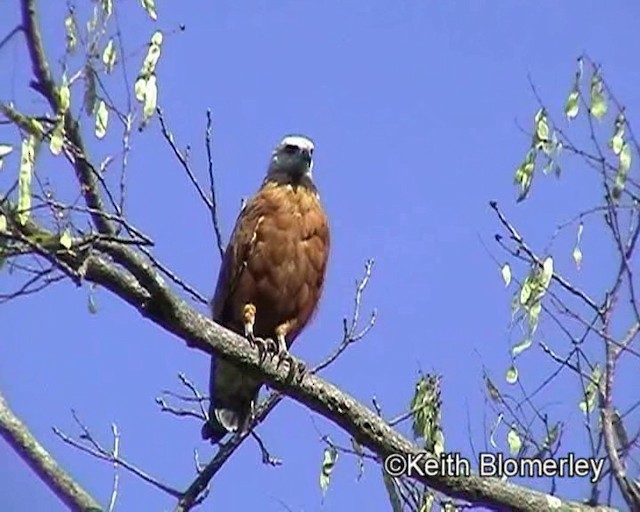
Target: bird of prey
{"x": 271, "y": 277}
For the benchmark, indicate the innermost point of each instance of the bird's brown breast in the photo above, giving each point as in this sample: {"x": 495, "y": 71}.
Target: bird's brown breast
{"x": 276, "y": 260}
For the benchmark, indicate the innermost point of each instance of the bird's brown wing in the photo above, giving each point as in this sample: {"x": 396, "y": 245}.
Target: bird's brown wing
{"x": 276, "y": 260}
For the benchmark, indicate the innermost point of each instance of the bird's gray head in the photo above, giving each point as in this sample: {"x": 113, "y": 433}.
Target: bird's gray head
{"x": 292, "y": 159}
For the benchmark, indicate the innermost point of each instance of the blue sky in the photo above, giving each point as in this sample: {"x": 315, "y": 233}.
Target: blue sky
{"x": 416, "y": 109}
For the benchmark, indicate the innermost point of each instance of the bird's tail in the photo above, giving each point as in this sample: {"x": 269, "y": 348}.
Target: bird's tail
{"x": 232, "y": 395}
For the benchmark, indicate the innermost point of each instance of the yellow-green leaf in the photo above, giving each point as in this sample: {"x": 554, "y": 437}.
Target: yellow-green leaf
{"x": 505, "y": 271}
{"x": 107, "y": 7}
{"x": 140, "y": 88}
{"x": 572, "y": 107}
{"x": 624, "y": 164}
{"x": 542, "y": 126}
{"x": 153, "y": 54}
{"x": 329, "y": 459}
{"x": 525, "y": 292}
{"x": 577, "y": 256}
{"x": 515, "y": 443}
{"x": 150, "y": 7}
{"x": 64, "y": 95}
{"x": 24, "y": 178}
{"x": 427, "y": 503}
{"x": 547, "y": 272}
{"x": 65, "y": 239}
{"x": 102, "y": 119}
{"x": 617, "y": 139}
{"x": 587, "y": 404}
{"x": 150, "y": 98}
{"x": 71, "y": 32}
{"x": 109, "y": 56}
{"x": 524, "y": 174}
{"x": 5, "y": 149}
{"x": 57, "y": 138}
{"x": 492, "y": 440}
{"x": 625, "y": 158}
{"x": 3, "y": 223}
{"x": 534, "y": 316}
{"x": 91, "y": 303}
{"x": 598, "y": 102}
{"x": 512, "y": 375}
{"x": 494, "y": 392}
{"x": 521, "y": 347}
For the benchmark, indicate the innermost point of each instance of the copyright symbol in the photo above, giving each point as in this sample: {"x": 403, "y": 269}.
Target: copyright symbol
{"x": 395, "y": 464}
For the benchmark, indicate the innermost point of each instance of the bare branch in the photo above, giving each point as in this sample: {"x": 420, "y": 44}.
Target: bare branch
{"x": 42, "y": 463}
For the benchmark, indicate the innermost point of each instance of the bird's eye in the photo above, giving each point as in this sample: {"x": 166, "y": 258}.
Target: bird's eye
{"x": 290, "y": 149}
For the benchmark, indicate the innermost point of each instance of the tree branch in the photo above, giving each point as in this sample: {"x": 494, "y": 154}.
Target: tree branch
{"x": 42, "y": 463}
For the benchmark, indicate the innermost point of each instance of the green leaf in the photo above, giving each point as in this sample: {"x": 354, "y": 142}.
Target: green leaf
{"x": 525, "y": 291}
{"x": 547, "y": 272}
{"x": 64, "y": 95}
{"x": 107, "y": 7}
{"x": 512, "y": 375}
{"x": 329, "y": 459}
{"x": 524, "y": 174}
{"x": 617, "y": 139}
{"x": 57, "y": 138}
{"x": 514, "y": 441}
{"x": 91, "y": 304}
{"x": 150, "y": 98}
{"x": 425, "y": 408}
{"x": 624, "y": 164}
{"x": 5, "y": 149}
{"x": 153, "y": 54}
{"x": 506, "y": 274}
{"x": 492, "y": 390}
{"x": 102, "y": 120}
{"x": 150, "y": 7}
{"x": 577, "y": 256}
{"x": 427, "y": 502}
{"x": 109, "y": 56}
{"x": 572, "y": 107}
{"x": 587, "y": 404}
{"x": 140, "y": 87}
{"x": 492, "y": 440}
{"x": 521, "y": 347}
{"x": 598, "y": 102}
{"x": 93, "y": 22}
{"x": 542, "y": 126}
{"x": 534, "y": 316}
{"x": 71, "y": 30}
{"x": 24, "y": 179}
{"x": 3, "y": 223}
{"x": 65, "y": 239}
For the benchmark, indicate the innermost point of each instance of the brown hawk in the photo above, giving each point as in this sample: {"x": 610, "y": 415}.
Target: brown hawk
{"x": 271, "y": 277}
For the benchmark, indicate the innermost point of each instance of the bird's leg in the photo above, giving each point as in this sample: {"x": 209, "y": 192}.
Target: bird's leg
{"x": 249, "y": 319}
{"x": 283, "y": 353}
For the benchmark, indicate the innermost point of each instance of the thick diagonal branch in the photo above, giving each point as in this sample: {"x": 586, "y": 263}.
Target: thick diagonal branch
{"x": 42, "y": 463}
